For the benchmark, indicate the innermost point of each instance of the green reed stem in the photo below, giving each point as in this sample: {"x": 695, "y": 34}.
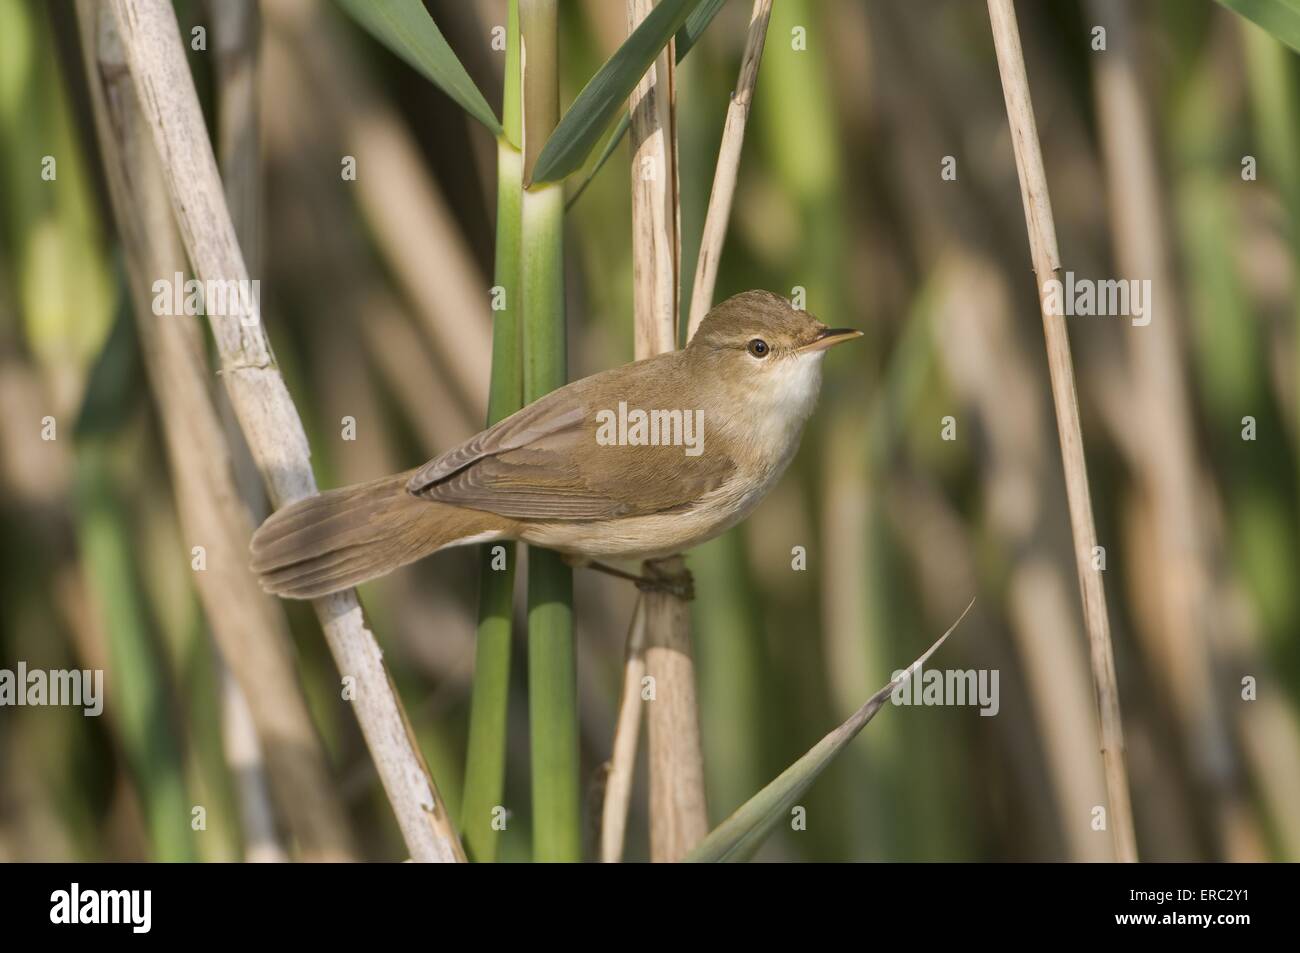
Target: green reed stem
{"x": 552, "y": 663}
{"x": 485, "y": 766}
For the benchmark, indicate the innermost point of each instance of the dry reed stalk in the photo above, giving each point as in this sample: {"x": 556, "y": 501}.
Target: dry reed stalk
{"x": 679, "y": 817}
{"x": 724, "y": 177}
{"x": 299, "y": 123}
{"x": 990, "y": 370}
{"x": 622, "y": 761}
{"x": 654, "y": 201}
{"x": 156, "y": 62}
{"x": 415, "y": 231}
{"x": 243, "y": 753}
{"x": 678, "y": 812}
{"x": 236, "y": 31}
{"x": 1046, "y": 262}
{"x": 248, "y": 628}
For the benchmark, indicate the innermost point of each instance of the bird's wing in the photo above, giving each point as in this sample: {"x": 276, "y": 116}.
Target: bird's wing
{"x": 545, "y": 463}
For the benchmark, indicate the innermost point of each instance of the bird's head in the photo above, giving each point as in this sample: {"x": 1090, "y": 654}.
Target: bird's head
{"x": 766, "y": 350}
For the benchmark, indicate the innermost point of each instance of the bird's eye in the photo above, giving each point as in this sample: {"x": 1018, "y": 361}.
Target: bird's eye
{"x": 758, "y": 347}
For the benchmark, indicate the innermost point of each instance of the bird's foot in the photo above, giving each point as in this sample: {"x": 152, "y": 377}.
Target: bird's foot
{"x": 669, "y": 575}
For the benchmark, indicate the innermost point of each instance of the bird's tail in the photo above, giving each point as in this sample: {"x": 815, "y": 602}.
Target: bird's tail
{"x": 342, "y": 538}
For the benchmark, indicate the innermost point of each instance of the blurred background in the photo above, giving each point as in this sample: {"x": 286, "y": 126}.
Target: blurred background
{"x": 374, "y": 294}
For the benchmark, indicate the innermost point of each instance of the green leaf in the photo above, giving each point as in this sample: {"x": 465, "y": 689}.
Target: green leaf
{"x": 740, "y": 835}
{"x": 1280, "y": 18}
{"x": 606, "y": 93}
{"x": 691, "y": 31}
{"x": 695, "y": 26}
{"x": 406, "y": 28}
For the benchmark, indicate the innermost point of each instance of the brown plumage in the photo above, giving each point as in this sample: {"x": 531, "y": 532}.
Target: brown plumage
{"x": 543, "y": 477}
{"x": 342, "y": 538}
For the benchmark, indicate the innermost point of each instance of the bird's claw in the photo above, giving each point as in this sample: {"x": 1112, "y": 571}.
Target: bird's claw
{"x": 680, "y": 584}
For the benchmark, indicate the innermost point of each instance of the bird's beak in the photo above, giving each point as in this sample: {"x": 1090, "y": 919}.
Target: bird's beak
{"x": 831, "y": 336}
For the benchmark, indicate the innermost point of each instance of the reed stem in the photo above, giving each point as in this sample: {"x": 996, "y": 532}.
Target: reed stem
{"x": 247, "y": 627}
{"x": 728, "y": 168}
{"x": 552, "y": 662}
{"x": 486, "y": 760}
{"x": 165, "y": 89}
{"x": 678, "y": 810}
{"x": 1047, "y": 261}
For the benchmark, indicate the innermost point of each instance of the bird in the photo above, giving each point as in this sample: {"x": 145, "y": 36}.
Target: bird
{"x": 638, "y": 462}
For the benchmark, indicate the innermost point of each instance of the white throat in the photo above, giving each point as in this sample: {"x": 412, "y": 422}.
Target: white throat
{"x": 798, "y": 382}
{"x": 779, "y": 408}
